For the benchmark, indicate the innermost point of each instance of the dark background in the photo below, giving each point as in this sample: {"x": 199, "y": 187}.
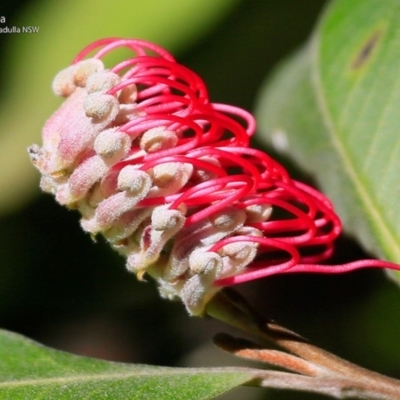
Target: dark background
{"x": 63, "y": 290}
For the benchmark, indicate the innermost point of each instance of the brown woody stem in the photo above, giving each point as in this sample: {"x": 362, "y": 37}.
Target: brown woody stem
{"x": 306, "y": 359}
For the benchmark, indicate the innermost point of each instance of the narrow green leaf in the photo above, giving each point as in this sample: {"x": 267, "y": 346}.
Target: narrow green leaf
{"x": 333, "y": 107}
{"x": 31, "y": 371}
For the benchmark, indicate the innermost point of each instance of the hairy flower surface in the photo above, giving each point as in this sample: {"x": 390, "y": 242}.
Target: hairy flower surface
{"x": 169, "y": 178}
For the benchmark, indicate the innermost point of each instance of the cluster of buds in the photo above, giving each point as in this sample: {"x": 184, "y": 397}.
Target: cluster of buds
{"x": 170, "y": 180}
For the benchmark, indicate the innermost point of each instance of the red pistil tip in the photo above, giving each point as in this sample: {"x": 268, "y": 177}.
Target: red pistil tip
{"x": 170, "y": 180}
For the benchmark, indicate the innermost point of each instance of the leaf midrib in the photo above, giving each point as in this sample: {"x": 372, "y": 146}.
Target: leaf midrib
{"x": 387, "y": 236}
{"x": 119, "y": 375}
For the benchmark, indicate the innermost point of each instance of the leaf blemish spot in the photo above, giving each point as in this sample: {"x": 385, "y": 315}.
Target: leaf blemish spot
{"x": 366, "y": 50}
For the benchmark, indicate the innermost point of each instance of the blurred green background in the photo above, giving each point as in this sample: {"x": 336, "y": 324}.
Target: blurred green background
{"x": 63, "y": 290}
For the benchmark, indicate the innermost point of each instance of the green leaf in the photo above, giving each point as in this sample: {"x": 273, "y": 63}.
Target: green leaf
{"x": 31, "y": 371}
{"x": 32, "y": 61}
{"x": 334, "y": 108}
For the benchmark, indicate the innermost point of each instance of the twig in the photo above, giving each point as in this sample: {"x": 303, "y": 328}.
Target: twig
{"x": 314, "y": 369}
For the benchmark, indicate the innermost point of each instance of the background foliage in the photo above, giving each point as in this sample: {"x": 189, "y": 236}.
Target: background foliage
{"x": 336, "y": 105}
{"x": 62, "y": 290}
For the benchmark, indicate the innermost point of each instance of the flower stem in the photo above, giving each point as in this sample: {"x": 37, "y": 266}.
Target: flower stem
{"x": 348, "y": 380}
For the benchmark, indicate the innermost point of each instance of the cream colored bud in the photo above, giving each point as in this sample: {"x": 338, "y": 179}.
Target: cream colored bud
{"x": 239, "y": 251}
{"x": 203, "y": 175}
{"x": 126, "y": 225}
{"x": 228, "y": 219}
{"x": 133, "y": 180}
{"x": 111, "y": 143}
{"x": 170, "y": 177}
{"x": 196, "y": 292}
{"x": 128, "y": 94}
{"x": 84, "y": 69}
{"x": 205, "y": 262}
{"x": 102, "y": 81}
{"x": 258, "y": 213}
{"x": 63, "y": 83}
{"x": 101, "y": 107}
{"x": 237, "y": 256}
{"x": 157, "y": 139}
{"x": 163, "y": 219}
{"x": 165, "y": 223}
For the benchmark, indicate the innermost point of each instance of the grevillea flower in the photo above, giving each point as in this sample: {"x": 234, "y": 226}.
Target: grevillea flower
{"x": 169, "y": 178}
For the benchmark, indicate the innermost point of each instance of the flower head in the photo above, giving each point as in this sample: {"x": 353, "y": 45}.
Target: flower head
{"x": 169, "y": 178}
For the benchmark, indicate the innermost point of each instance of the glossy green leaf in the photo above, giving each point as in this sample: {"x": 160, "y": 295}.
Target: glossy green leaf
{"x": 334, "y": 108}
{"x": 31, "y": 371}
{"x": 32, "y": 61}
